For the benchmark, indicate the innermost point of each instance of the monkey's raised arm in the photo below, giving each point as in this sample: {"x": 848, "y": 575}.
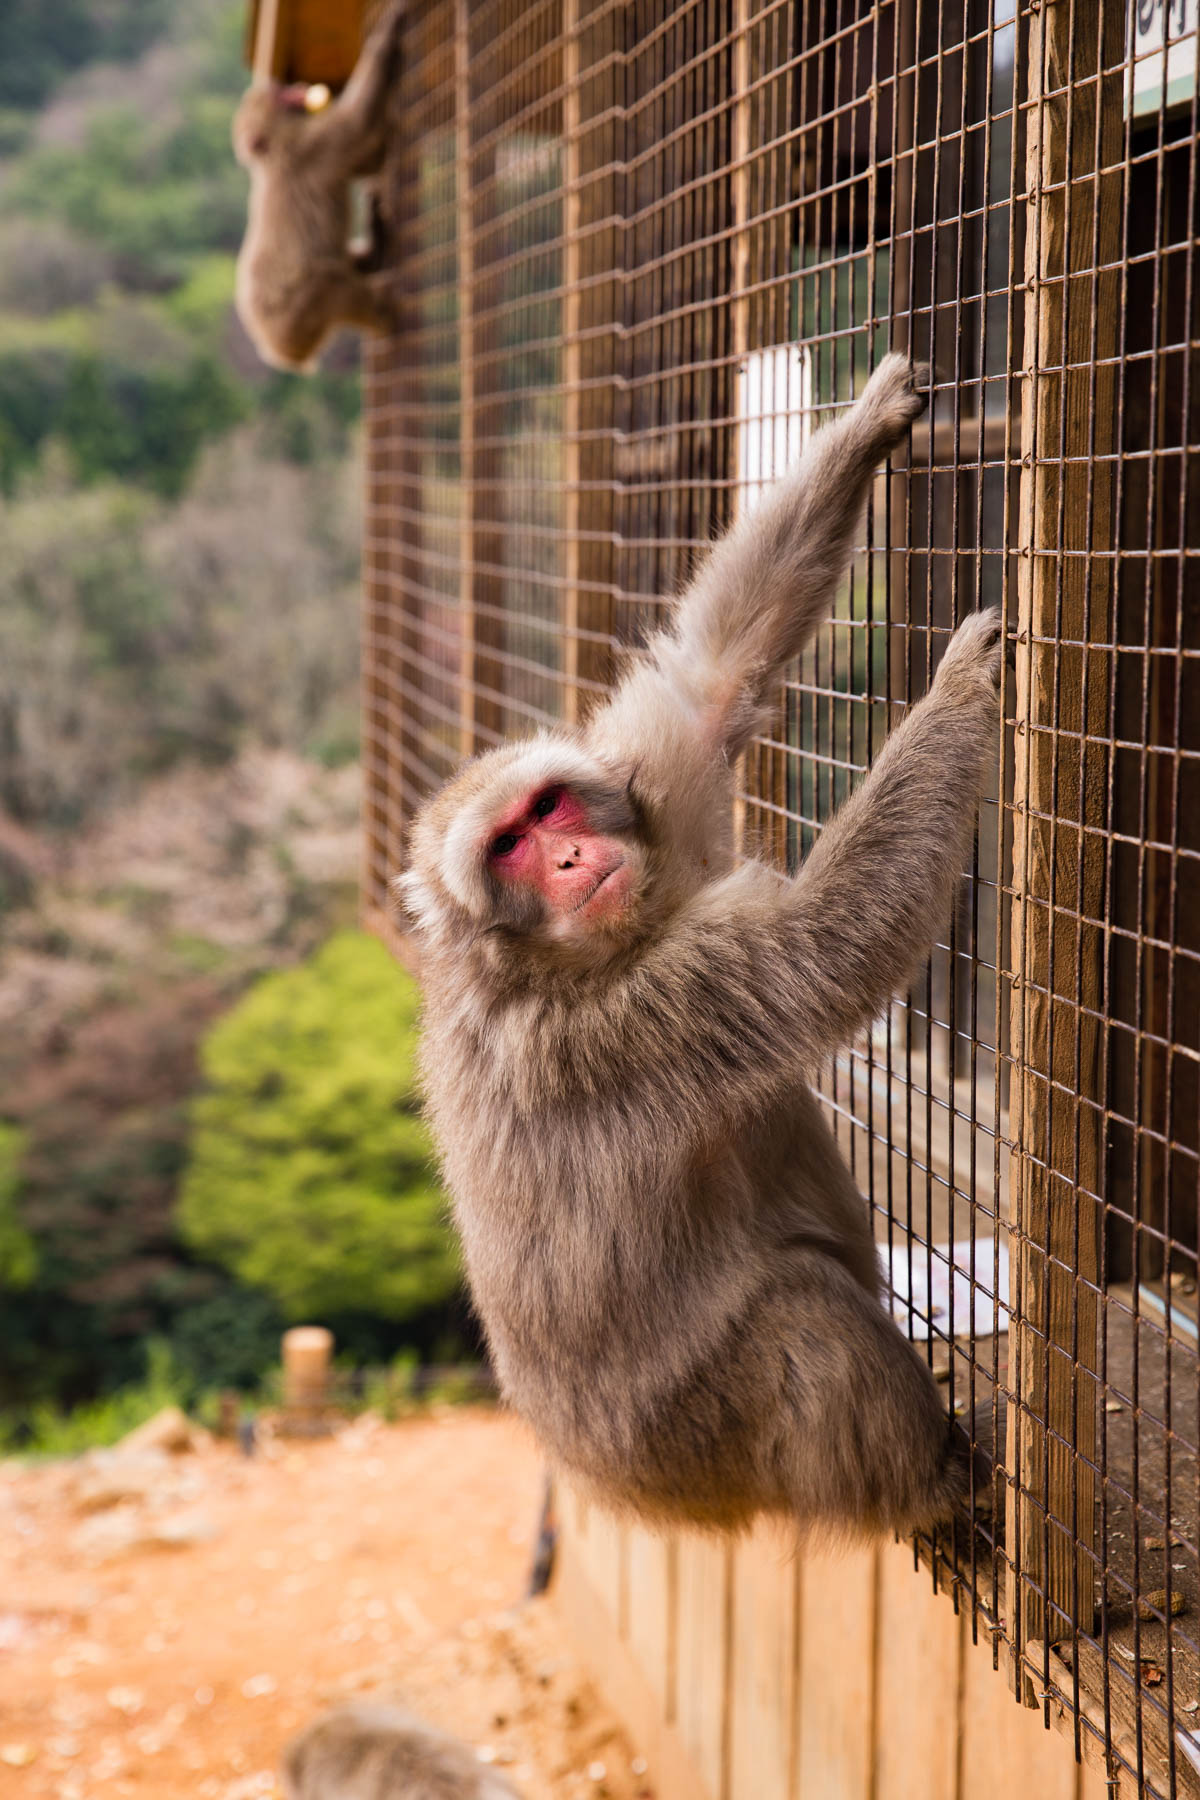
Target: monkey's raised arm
{"x": 767, "y": 586}
{"x": 352, "y": 127}
{"x": 764, "y": 978}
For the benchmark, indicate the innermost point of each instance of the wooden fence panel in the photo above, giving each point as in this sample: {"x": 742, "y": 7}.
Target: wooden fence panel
{"x": 763, "y": 1667}
{"x": 750, "y": 1672}
{"x": 702, "y": 1657}
{"x": 836, "y": 1680}
{"x": 916, "y": 1703}
{"x": 651, "y": 1613}
{"x": 1005, "y": 1750}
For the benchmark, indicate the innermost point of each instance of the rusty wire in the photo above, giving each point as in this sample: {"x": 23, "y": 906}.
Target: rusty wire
{"x": 603, "y": 215}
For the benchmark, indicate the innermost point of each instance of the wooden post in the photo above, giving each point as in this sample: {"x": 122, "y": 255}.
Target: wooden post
{"x": 307, "y": 1351}
{"x": 740, "y": 319}
{"x": 266, "y": 49}
{"x": 390, "y": 548}
{"x": 465, "y": 227}
{"x": 573, "y": 261}
{"x": 764, "y": 1657}
{"x": 591, "y": 302}
{"x": 1065, "y": 603}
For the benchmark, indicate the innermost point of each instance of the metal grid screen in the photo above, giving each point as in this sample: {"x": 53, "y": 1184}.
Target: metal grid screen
{"x": 645, "y": 248}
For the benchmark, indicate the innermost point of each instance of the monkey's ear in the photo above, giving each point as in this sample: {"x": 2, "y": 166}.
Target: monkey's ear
{"x": 415, "y": 901}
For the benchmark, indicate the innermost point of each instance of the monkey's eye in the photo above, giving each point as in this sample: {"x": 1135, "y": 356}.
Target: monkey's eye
{"x": 545, "y": 806}
{"x": 503, "y": 846}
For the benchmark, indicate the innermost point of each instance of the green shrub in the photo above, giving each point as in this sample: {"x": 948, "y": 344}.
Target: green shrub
{"x": 229, "y": 1341}
{"x": 18, "y": 1254}
{"x": 310, "y": 1176}
{"x": 48, "y": 1430}
{"x": 389, "y": 1391}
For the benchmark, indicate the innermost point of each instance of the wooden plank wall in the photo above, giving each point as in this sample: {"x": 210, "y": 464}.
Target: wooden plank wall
{"x": 744, "y": 1672}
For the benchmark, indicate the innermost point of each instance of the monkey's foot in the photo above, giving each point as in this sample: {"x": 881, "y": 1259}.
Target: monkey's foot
{"x": 971, "y": 1464}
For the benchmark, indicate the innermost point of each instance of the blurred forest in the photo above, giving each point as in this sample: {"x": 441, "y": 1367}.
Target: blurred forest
{"x": 178, "y": 729}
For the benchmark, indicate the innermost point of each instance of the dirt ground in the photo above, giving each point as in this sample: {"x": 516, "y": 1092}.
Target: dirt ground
{"x": 164, "y": 1626}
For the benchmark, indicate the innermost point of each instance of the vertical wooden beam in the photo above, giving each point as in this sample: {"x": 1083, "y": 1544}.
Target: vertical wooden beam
{"x": 902, "y": 228}
{"x": 605, "y": 1559}
{"x": 468, "y": 685}
{"x": 1003, "y": 1750}
{"x": 591, "y": 301}
{"x": 740, "y": 311}
{"x": 573, "y": 266}
{"x": 267, "y": 55}
{"x": 1065, "y": 601}
{"x": 741, "y": 148}
{"x": 651, "y": 1605}
{"x": 916, "y": 1746}
{"x": 762, "y": 1703}
{"x": 702, "y": 1671}
{"x": 390, "y": 623}
{"x": 835, "y": 1688}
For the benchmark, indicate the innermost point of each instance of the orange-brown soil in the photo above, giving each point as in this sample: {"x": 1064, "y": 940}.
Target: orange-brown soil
{"x": 163, "y": 1647}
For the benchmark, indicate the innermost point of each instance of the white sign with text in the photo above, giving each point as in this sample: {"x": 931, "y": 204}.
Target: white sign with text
{"x": 1162, "y": 45}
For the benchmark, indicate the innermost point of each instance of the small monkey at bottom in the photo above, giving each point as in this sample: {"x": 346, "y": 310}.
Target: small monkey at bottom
{"x": 673, "y": 1264}
{"x": 369, "y": 1750}
{"x": 297, "y": 278}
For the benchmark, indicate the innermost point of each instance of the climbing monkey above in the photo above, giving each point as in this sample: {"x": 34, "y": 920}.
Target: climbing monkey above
{"x": 297, "y": 276}
{"x": 674, "y": 1267}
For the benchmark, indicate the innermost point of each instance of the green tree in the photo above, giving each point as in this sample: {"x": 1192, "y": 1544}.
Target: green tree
{"x": 310, "y": 1176}
{"x": 39, "y": 44}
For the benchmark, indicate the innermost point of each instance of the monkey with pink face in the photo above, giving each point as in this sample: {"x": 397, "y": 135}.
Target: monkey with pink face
{"x": 674, "y": 1268}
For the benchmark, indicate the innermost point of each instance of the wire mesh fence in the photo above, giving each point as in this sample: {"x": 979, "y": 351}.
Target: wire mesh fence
{"x": 645, "y": 249}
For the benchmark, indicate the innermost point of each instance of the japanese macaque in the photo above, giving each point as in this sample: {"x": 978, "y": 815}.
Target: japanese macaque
{"x": 368, "y": 1750}
{"x": 673, "y": 1265}
{"x": 297, "y": 276}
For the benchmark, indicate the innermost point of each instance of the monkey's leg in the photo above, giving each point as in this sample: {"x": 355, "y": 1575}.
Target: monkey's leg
{"x": 349, "y": 134}
{"x": 866, "y": 1440}
{"x": 337, "y": 295}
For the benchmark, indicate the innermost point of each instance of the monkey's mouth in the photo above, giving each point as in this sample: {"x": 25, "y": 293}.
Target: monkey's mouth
{"x": 595, "y": 887}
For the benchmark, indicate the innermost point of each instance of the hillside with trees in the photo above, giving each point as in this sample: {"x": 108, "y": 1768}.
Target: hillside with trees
{"x": 178, "y": 709}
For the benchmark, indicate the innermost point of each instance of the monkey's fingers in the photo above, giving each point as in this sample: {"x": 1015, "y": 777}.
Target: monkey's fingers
{"x": 896, "y": 394}
{"x": 975, "y": 1454}
{"x": 975, "y": 654}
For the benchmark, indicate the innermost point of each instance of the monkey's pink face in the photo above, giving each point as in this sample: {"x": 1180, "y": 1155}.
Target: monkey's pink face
{"x": 536, "y": 842}
{"x": 545, "y": 845}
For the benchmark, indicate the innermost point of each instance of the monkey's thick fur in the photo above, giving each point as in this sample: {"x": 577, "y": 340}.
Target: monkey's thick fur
{"x": 297, "y": 279}
{"x": 674, "y": 1267}
{"x": 371, "y": 1751}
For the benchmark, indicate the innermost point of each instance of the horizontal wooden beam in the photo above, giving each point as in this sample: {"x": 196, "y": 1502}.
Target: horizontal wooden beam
{"x": 305, "y": 40}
